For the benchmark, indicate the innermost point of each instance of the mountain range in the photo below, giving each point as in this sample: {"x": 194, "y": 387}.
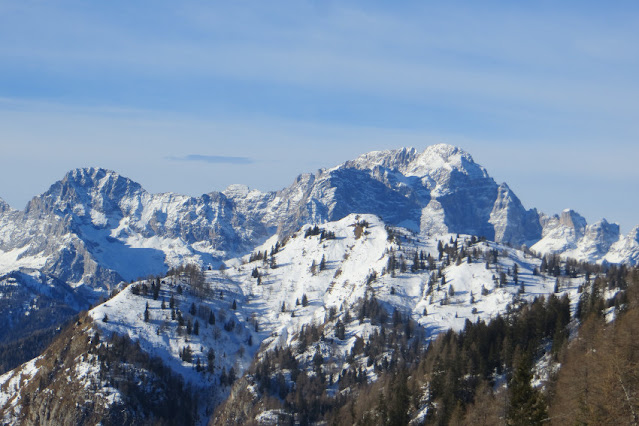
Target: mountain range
{"x": 95, "y": 228}
{"x": 226, "y": 284}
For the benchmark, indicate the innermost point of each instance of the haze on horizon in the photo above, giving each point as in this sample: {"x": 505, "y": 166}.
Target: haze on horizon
{"x": 193, "y": 96}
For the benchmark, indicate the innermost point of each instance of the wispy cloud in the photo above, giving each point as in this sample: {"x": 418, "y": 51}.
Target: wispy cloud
{"x": 216, "y": 159}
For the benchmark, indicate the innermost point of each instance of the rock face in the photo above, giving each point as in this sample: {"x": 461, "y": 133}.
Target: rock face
{"x": 626, "y": 250}
{"x": 439, "y": 190}
{"x": 4, "y": 206}
{"x": 95, "y": 228}
{"x": 33, "y": 301}
{"x": 66, "y": 384}
{"x": 569, "y": 235}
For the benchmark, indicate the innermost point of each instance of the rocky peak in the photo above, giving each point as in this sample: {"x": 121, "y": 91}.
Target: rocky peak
{"x": 571, "y": 219}
{"x": 394, "y": 159}
{"x": 4, "y": 206}
{"x": 105, "y": 182}
{"x": 603, "y": 229}
{"x": 433, "y": 161}
{"x": 84, "y": 189}
{"x": 443, "y": 158}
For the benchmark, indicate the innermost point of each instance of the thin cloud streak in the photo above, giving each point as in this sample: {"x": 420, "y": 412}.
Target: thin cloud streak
{"x": 215, "y": 159}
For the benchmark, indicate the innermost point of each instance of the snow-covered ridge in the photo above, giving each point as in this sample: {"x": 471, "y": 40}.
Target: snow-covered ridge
{"x": 306, "y": 280}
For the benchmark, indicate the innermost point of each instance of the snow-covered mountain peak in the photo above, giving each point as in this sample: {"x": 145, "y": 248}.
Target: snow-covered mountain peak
{"x": 433, "y": 161}
{"x": 239, "y": 191}
{"x": 444, "y": 158}
{"x": 83, "y": 190}
{"x": 393, "y": 159}
{"x": 572, "y": 219}
{"x": 626, "y": 249}
{"x": 103, "y": 181}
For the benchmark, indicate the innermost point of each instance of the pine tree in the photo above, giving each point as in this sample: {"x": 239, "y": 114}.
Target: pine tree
{"x": 304, "y": 300}
{"x": 415, "y": 266}
{"x": 187, "y": 354}
{"x": 156, "y": 290}
{"x": 340, "y": 330}
{"x": 211, "y": 318}
{"x": 146, "y": 312}
{"x": 196, "y": 327}
{"x": 527, "y": 406}
{"x": 211, "y": 359}
{"x": 502, "y": 279}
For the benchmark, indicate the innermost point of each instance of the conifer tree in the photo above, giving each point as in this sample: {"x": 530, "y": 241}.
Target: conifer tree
{"x": 527, "y": 406}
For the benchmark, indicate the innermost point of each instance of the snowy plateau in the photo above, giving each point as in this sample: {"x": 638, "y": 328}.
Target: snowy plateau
{"x": 426, "y": 236}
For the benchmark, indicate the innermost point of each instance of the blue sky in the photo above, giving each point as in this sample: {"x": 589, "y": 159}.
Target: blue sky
{"x": 193, "y": 96}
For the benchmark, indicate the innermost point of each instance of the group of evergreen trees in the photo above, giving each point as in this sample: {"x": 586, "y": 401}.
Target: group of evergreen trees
{"x": 316, "y": 230}
{"x": 189, "y": 323}
{"x": 481, "y": 375}
{"x": 302, "y": 387}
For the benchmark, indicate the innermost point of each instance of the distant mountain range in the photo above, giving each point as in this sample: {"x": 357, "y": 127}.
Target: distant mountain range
{"x": 95, "y": 228}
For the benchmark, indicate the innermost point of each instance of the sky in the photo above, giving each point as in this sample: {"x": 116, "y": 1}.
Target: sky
{"x": 190, "y": 97}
